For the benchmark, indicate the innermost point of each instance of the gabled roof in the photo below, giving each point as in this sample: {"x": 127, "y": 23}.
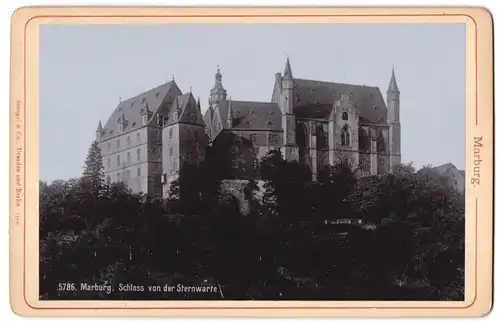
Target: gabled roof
{"x": 445, "y": 168}
{"x": 321, "y": 95}
{"x": 251, "y": 115}
{"x": 131, "y": 108}
{"x": 190, "y": 110}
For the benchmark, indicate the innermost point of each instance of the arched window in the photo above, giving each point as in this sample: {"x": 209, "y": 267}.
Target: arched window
{"x": 301, "y": 135}
{"x": 344, "y": 116}
{"x": 345, "y": 136}
{"x": 364, "y": 144}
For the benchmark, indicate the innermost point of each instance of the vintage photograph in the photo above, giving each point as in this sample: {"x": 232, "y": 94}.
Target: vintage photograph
{"x": 252, "y": 162}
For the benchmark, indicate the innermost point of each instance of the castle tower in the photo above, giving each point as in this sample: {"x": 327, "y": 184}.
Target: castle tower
{"x": 217, "y": 93}
{"x": 393, "y": 120}
{"x": 290, "y": 148}
{"x": 183, "y": 139}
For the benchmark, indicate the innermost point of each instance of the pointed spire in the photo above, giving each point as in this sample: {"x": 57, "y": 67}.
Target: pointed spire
{"x": 198, "y": 102}
{"x": 288, "y": 69}
{"x": 173, "y": 77}
{"x": 393, "y": 86}
{"x": 99, "y": 127}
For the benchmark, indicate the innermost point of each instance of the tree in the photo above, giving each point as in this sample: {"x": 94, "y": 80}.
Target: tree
{"x": 93, "y": 179}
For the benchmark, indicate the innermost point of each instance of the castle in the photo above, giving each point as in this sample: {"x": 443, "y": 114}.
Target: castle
{"x": 149, "y": 137}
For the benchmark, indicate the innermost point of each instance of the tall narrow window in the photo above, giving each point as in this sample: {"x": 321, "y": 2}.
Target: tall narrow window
{"x": 138, "y": 171}
{"x": 128, "y": 158}
{"x": 109, "y": 163}
{"x": 170, "y": 152}
{"x": 128, "y": 141}
{"x": 170, "y": 133}
{"x": 344, "y": 116}
{"x": 138, "y": 154}
{"x": 345, "y": 138}
{"x": 118, "y": 161}
{"x": 138, "y": 137}
{"x": 118, "y": 144}
{"x": 321, "y": 138}
{"x": 118, "y": 177}
{"x": 109, "y": 145}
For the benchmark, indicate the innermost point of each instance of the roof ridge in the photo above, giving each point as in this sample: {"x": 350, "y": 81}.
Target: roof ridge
{"x": 251, "y": 101}
{"x": 337, "y": 83}
{"x": 147, "y": 91}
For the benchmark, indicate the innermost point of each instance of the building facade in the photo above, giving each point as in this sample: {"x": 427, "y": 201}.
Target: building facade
{"x": 148, "y": 138}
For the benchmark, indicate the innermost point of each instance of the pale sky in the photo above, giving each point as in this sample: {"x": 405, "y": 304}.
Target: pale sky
{"x": 85, "y": 69}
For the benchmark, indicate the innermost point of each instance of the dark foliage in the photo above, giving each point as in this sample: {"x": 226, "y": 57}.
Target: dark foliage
{"x": 288, "y": 247}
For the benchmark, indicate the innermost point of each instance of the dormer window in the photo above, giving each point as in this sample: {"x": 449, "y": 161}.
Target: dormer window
{"x": 132, "y": 104}
{"x": 143, "y": 100}
{"x": 252, "y": 112}
{"x": 157, "y": 94}
{"x": 344, "y": 116}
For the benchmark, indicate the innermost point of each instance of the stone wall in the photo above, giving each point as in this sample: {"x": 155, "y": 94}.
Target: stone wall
{"x": 236, "y": 188}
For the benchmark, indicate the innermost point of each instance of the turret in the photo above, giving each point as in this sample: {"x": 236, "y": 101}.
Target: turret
{"x": 290, "y": 148}
{"x": 393, "y": 100}
{"x": 394, "y": 123}
{"x": 287, "y": 84}
{"x": 99, "y": 132}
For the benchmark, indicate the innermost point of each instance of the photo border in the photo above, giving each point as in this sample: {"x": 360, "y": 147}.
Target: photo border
{"x": 24, "y": 151}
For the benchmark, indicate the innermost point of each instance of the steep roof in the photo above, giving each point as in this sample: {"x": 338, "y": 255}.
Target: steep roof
{"x": 190, "y": 110}
{"x": 393, "y": 85}
{"x": 131, "y": 108}
{"x": 321, "y": 95}
{"x": 251, "y": 115}
{"x": 208, "y": 116}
